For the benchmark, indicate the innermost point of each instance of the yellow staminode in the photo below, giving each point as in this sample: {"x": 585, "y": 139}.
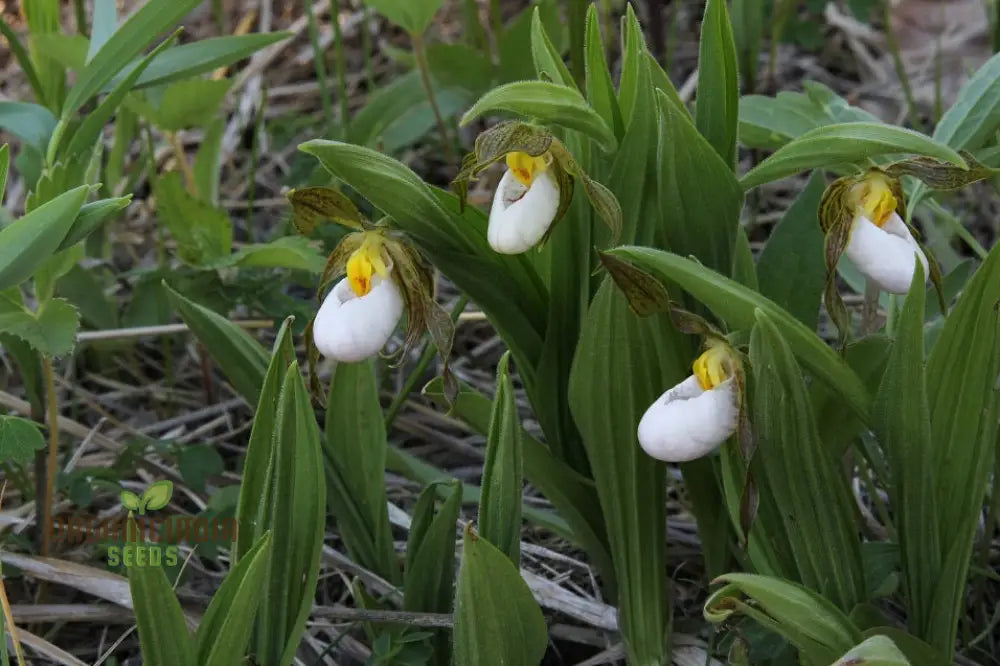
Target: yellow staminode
{"x": 714, "y": 366}
{"x": 873, "y": 198}
{"x": 525, "y": 167}
{"x": 366, "y": 261}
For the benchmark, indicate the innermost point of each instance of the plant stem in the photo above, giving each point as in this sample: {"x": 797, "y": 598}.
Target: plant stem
{"x": 52, "y": 408}
{"x": 425, "y": 358}
{"x": 338, "y": 45}
{"x": 425, "y": 77}
{"x": 320, "y": 67}
{"x": 869, "y": 311}
{"x": 366, "y": 46}
{"x": 175, "y": 144}
{"x": 897, "y": 62}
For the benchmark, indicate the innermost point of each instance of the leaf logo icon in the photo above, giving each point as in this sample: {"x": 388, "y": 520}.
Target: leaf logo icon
{"x": 153, "y": 498}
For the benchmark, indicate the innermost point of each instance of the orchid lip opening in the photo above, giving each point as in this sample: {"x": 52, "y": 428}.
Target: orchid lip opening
{"x": 874, "y": 199}
{"x": 525, "y": 167}
{"x": 365, "y": 262}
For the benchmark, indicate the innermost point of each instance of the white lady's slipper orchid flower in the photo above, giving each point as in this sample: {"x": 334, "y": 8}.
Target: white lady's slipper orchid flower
{"x": 362, "y": 310}
{"x": 696, "y": 416}
{"x": 525, "y": 204}
{"x": 881, "y": 245}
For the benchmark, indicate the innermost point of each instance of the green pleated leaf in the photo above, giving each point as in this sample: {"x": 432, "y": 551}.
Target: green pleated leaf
{"x": 163, "y": 632}
{"x": 570, "y": 493}
{"x": 622, "y": 364}
{"x": 717, "y": 105}
{"x": 355, "y": 451}
{"x": 810, "y": 622}
{"x": 293, "y": 509}
{"x": 700, "y": 198}
{"x": 28, "y": 242}
{"x": 975, "y": 115}
{"x": 875, "y": 651}
{"x": 771, "y": 122}
{"x": 90, "y": 218}
{"x": 250, "y": 510}
{"x": 500, "y": 503}
{"x": 204, "y": 55}
{"x": 497, "y": 621}
{"x": 430, "y": 558}
{"x": 815, "y": 508}
{"x": 902, "y": 423}
{"x": 546, "y": 102}
{"x": 748, "y": 32}
{"x": 30, "y": 122}
{"x": 224, "y": 632}
{"x": 548, "y": 60}
{"x": 599, "y": 85}
{"x": 845, "y": 143}
{"x": 735, "y": 304}
{"x": 128, "y": 41}
{"x": 790, "y": 268}
{"x": 962, "y": 393}
{"x": 240, "y": 356}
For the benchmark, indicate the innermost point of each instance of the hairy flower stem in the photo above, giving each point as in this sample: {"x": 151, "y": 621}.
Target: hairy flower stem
{"x": 869, "y": 311}
{"x": 425, "y": 77}
{"x": 52, "y": 408}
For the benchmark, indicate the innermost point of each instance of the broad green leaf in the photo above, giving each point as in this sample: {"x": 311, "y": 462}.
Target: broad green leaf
{"x": 649, "y": 357}
{"x": 916, "y": 650}
{"x": 163, "y": 632}
{"x": 70, "y": 51}
{"x": 224, "y": 631}
{"x": 30, "y": 122}
{"x": 815, "y": 508}
{"x": 204, "y": 55}
{"x": 44, "y": 18}
{"x": 770, "y": 122}
{"x": 430, "y": 558}
{"x": 500, "y": 503}
{"x": 570, "y": 493}
{"x": 293, "y": 509}
{"x": 633, "y": 58}
{"x": 700, "y": 199}
{"x": 93, "y": 124}
{"x": 807, "y": 620}
{"x": 250, "y": 509}
{"x": 240, "y": 356}
{"x": 497, "y": 621}
{"x": 91, "y": 216}
{"x": 50, "y": 331}
{"x": 157, "y": 495}
{"x": 875, "y": 651}
{"x": 548, "y": 60}
{"x": 790, "y": 270}
{"x": 355, "y": 452}
{"x": 600, "y": 88}
{"x": 902, "y": 423}
{"x": 516, "y": 60}
{"x": 548, "y": 103}
{"x": 412, "y": 15}
{"x": 962, "y": 393}
{"x": 975, "y": 115}
{"x": 19, "y": 439}
{"x": 28, "y": 242}
{"x": 203, "y": 232}
{"x": 293, "y": 252}
{"x": 735, "y": 304}
{"x": 188, "y": 103}
{"x": 833, "y": 145}
{"x": 137, "y": 32}
{"x": 717, "y": 105}
{"x": 384, "y": 106}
